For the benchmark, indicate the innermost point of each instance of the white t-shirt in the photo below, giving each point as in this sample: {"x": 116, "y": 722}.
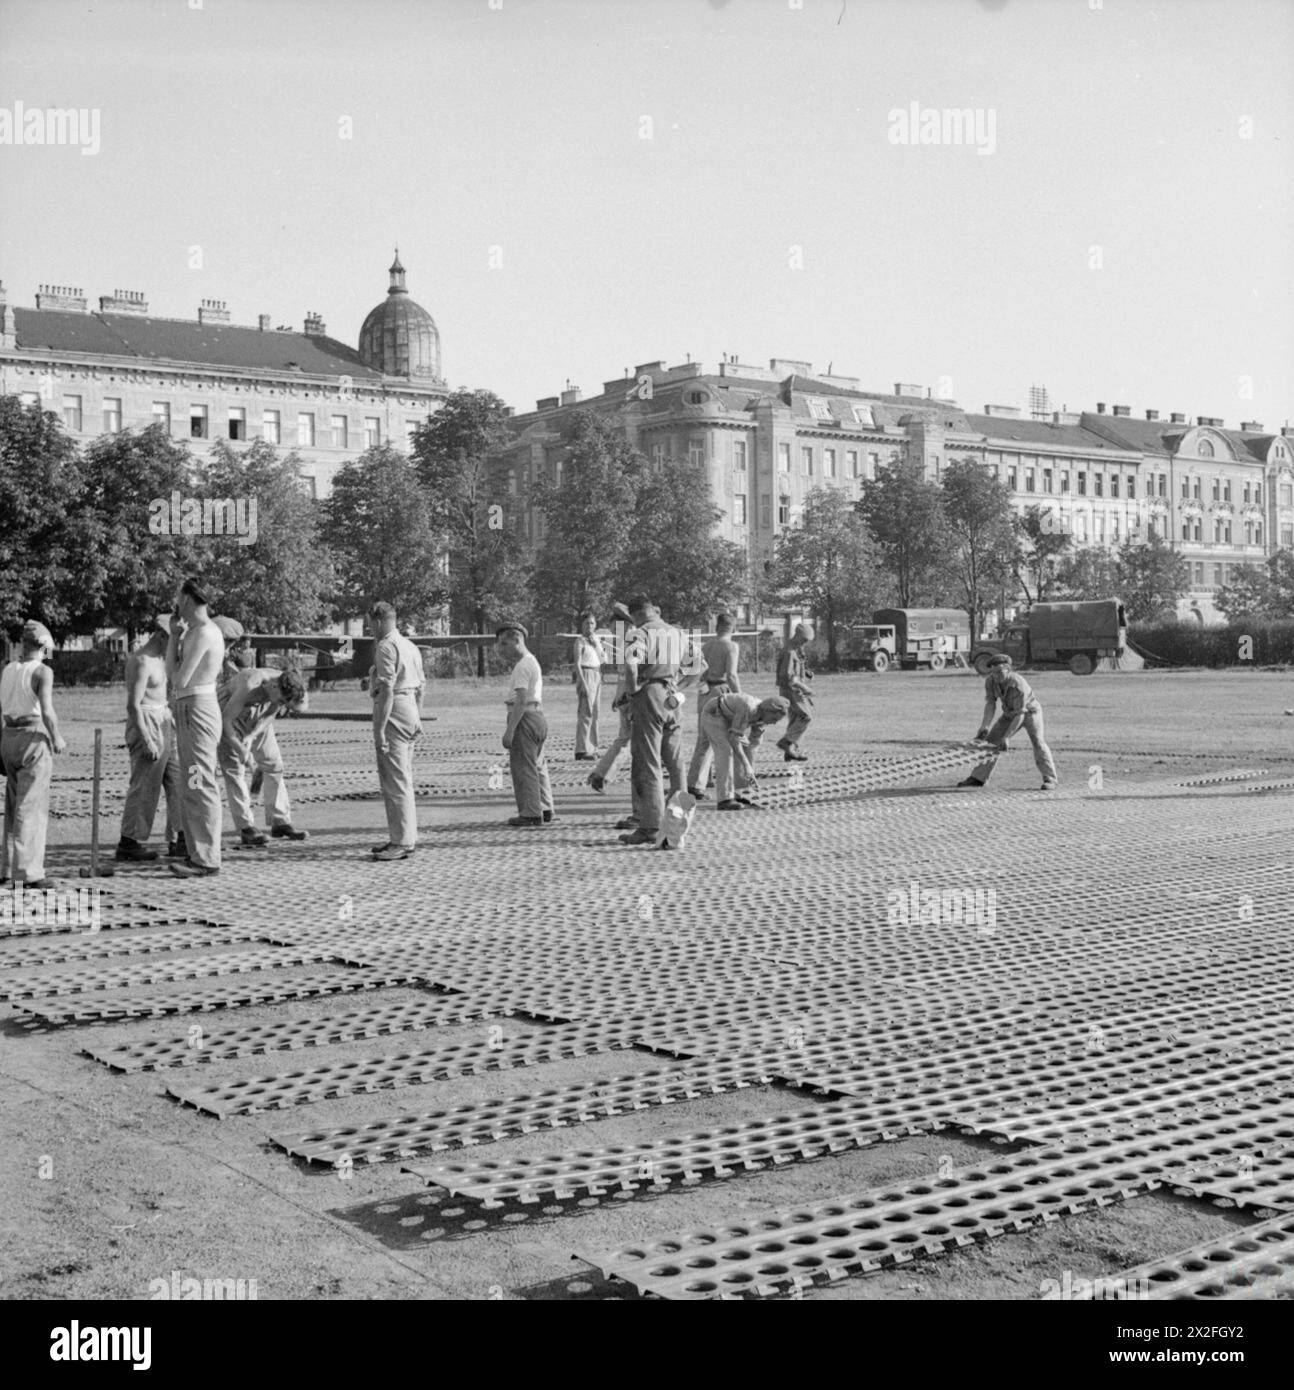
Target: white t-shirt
{"x": 526, "y": 673}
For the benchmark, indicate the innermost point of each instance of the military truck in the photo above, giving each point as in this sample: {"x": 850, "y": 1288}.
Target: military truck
{"x": 909, "y": 637}
{"x": 1076, "y": 635}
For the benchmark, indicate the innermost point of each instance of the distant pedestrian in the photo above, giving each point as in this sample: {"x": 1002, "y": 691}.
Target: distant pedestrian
{"x": 194, "y": 653}
{"x": 396, "y": 681}
{"x": 154, "y": 756}
{"x": 589, "y": 659}
{"x": 721, "y": 656}
{"x": 1019, "y": 706}
{"x": 734, "y": 724}
{"x": 792, "y": 685}
{"x": 652, "y": 670}
{"x": 28, "y": 741}
{"x": 526, "y": 731}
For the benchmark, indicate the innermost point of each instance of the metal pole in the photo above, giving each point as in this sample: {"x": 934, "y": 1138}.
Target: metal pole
{"x": 94, "y": 820}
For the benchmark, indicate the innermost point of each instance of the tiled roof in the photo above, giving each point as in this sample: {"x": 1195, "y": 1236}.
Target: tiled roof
{"x": 1005, "y": 427}
{"x": 182, "y": 340}
{"x": 1149, "y": 436}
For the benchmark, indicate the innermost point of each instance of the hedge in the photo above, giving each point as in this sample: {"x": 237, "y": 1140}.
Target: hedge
{"x": 1189, "y": 644}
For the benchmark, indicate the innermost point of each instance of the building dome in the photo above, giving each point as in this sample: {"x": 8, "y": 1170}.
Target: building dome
{"x": 399, "y": 337}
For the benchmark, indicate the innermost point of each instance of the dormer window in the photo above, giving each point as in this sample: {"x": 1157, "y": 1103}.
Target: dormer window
{"x": 819, "y": 408}
{"x": 863, "y": 416}
{"x": 1205, "y": 449}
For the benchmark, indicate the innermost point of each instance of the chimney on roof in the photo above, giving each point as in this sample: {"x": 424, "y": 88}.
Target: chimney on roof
{"x": 1176, "y": 418}
{"x": 571, "y": 395}
{"x": 1152, "y": 415}
{"x": 8, "y": 321}
{"x": 123, "y": 302}
{"x": 1251, "y": 427}
{"x": 263, "y": 322}
{"x": 548, "y": 403}
{"x": 1204, "y": 420}
{"x": 314, "y": 326}
{"x": 61, "y": 297}
{"x": 1100, "y": 407}
{"x": 908, "y": 388}
{"x": 213, "y": 311}
{"x": 1121, "y": 410}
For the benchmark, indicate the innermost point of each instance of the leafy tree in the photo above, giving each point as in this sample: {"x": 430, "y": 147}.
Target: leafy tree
{"x": 903, "y": 514}
{"x": 377, "y": 524}
{"x": 673, "y": 553}
{"x": 825, "y": 564}
{"x": 487, "y": 558}
{"x": 1040, "y": 546}
{"x": 1266, "y": 591}
{"x": 41, "y": 487}
{"x": 1088, "y": 572}
{"x": 981, "y": 529}
{"x": 280, "y": 582}
{"x": 591, "y": 513}
{"x": 1151, "y": 577}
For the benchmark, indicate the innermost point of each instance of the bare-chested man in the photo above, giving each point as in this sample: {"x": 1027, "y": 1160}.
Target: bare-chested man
{"x": 154, "y": 761}
{"x": 253, "y": 698}
{"x": 194, "y": 655}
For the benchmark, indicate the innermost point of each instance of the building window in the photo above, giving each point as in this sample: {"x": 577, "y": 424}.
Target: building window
{"x": 112, "y": 415}
{"x": 1218, "y": 572}
{"x": 829, "y": 463}
{"x": 657, "y": 456}
{"x": 1199, "y": 571}
{"x": 1082, "y": 484}
{"x": 1100, "y": 526}
{"x": 1186, "y": 530}
{"x": 1196, "y": 488}
{"x": 1046, "y": 480}
{"x": 1132, "y": 487}
{"x": 806, "y": 459}
{"x": 765, "y": 510}
{"x": 1029, "y": 485}
{"x": 1186, "y": 488}
{"x": 851, "y": 462}
{"x": 1287, "y": 494}
{"x": 1204, "y": 449}
{"x": 29, "y": 400}
{"x": 237, "y": 422}
{"x": 340, "y": 428}
{"x": 1114, "y": 484}
{"x": 72, "y": 412}
{"x": 311, "y": 486}
{"x": 1246, "y": 494}
{"x": 1114, "y": 527}
{"x": 162, "y": 416}
{"x": 696, "y": 452}
{"x": 739, "y": 509}
{"x": 1199, "y": 531}
{"x": 818, "y": 408}
{"x": 271, "y": 431}
{"x": 1163, "y": 484}
{"x": 1249, "y": 533}
{"x": 783, "y": 510}
{"x": 306, "y": 429}
{"x": 1287, "y": 535}
{"x": 1226, "y": 533}
{"x": 1098, "y": 484}
{"x": 410, "y": 432}
{"x": 1226, "y": 490}
{"x": 372, "y": 431}
{"x": 739, "y": 454}
{"x": 783, "y": 458}
{"x": 197, "y": 422}
{"x": 1064, "y": 481}
{"x": 1216, "y": 493}
{"x": 1258, "y": 533}
{"x": 873, "y": 464}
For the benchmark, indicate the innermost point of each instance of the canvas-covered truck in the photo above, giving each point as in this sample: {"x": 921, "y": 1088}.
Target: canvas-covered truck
{"x": 1076, "y": 635}
{"x": 910, "y": 637}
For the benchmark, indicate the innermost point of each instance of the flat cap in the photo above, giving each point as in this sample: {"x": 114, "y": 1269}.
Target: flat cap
{"x": 773, "y": 709}
{"x": 997, "y": 661}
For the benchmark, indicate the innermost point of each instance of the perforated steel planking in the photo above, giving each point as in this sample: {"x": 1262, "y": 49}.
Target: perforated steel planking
{"x": 486, "y": 1121}
{"x": 492, "y": 1053}
{"x": 231, "y": 994}
{"x": 52, "y": 949}
{"x": 832, "y": 1240}
{"x": 1257, "y": 1262}
{"x": 1258, "y": 1180}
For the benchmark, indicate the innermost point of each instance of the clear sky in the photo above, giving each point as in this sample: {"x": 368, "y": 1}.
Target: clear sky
{"x": 1158, "y": 131}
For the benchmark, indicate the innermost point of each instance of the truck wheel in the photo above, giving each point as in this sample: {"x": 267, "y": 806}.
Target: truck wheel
{"x": 937, "y": 662}
{"x": 880, "y": 661}
{"x": 1081, "y": 664}
{"x": 981, "y": 663}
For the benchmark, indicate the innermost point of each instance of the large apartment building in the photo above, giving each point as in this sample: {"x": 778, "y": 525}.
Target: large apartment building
{"x": 767, "y": 437}
{"x": 120, "y": 367}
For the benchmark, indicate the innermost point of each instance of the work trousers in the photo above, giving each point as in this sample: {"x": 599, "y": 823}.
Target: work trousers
{"x": 197, "y": 732}
{"x": 261, "y": 750}
{"x": 698, "y": 771}
{"x": 1046, "y": 764}
{"x": 151, "y": 777}
{"x": 613, "y": 758}
{"x": 28, "y": 764}
{"x": 801, "y": 716}
{"x": 656, "y": 750}
{"x": 588, "y": 689}
{"x": 731, "y": 763}
{"x": 529, "y": 767}
{"x": 395, "y": 771}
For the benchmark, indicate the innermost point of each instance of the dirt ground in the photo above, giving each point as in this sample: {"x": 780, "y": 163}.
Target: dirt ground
{"x": 112, "y": 1185}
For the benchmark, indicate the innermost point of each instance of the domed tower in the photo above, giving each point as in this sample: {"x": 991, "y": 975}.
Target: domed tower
{"x": 399, "y": 337}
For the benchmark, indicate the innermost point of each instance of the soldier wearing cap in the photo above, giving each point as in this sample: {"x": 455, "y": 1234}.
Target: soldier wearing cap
{"x": 734, "y": 724}
{"x": 154, "y": 757}
{"x": 252, "y": 700}
{"x": 792, "y": 686}
{"x": 526, "y": 731}
{"x": 652, "y": 669}
{"x": 396, "y": 686}
{"x": 29, "y": 737}
{"x": 194, "y": 654}
{"x": 1019, "y": 706}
